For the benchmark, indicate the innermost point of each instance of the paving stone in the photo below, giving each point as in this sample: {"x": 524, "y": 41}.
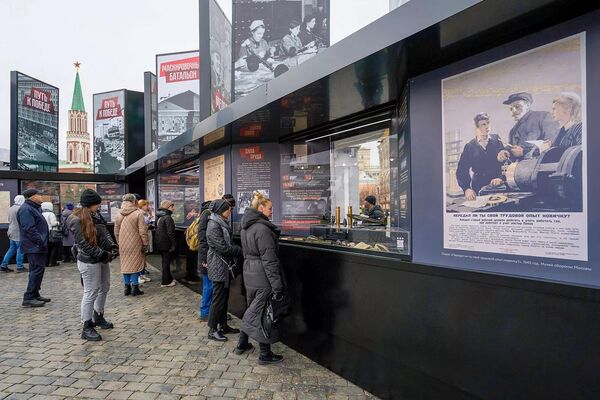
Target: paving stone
{"x": 168, "y": 357}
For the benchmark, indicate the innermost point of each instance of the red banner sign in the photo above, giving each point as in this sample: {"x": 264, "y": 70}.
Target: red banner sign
{"x": 40, "y": 100}
{"x": 110, "y": 108}
{"x": 187, "y": 69}
{"x": 252, "y": 153}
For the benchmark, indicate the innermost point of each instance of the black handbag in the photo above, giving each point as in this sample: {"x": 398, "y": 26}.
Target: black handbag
{"x": 276, "y": 307}
{"x": 56, "y": 235}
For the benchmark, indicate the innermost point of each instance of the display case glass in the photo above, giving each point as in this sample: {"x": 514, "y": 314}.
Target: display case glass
{"x": 181, "y": 186}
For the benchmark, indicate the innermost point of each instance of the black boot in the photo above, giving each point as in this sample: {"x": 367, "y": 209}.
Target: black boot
{"x": 127, "y": 289}
{"x": 226, "y": 329}
{"x": 243, "y": 344}
{"x": 89, "y": 333}
{"x": 136, "y": 290}
{"x": 216, "y": 335}
{"x": 267, "y": 356}
{"x": 100, "y": 322}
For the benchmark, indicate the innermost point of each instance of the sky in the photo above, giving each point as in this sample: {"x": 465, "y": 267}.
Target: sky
{"x": 115, "y": 42}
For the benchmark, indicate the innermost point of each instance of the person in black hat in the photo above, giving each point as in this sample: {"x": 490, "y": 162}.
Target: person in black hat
{"x": 221, "y": 255}
{"x": 478, "y": 165}
{"x": 33, "y": 232}
{"x": 530, "y": 125}
{"x": 373, "y": 209}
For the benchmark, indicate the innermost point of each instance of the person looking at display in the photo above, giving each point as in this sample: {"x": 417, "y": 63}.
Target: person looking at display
{"x": 13, "y": 237}
{"x": 68, "y": 240}
{"x": 222, "y": 253}
{"x": 372, "y": 209}
{"x": 131, "y": 232}
{"x": 94, "y": 249}
{"x": 53, "y": 242}
{"x": 478, "y": 165}
{"x": 263, "y": 278}
{"x": 165, "y": 240}
{"x": 33, "y": 232}
{"x": 144, "y": 207}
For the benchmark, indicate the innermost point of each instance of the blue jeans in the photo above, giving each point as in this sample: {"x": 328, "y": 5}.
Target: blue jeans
{"x": 131, "y": 278}
{"x": 207, "y": 288}
{"x": 14, "y": 247}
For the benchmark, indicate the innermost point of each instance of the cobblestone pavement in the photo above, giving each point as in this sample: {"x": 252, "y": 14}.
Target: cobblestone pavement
{"x": 157, "y": 350}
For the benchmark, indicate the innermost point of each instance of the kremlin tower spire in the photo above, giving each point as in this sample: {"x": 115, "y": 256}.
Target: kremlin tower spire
{"x": 78, "y": 137}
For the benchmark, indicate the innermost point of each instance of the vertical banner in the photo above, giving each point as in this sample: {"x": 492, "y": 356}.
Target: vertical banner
{"x": 109, "y": 132}
{"x": 150, "y": 112}
{"x": 270, "y": 37}
{"x": 220, "y": 58}
{"x": 35, "y": 129}
{"x": 178, "y": 76}
{"x": 507, "y": 159}
{"x": 151, "y": 196}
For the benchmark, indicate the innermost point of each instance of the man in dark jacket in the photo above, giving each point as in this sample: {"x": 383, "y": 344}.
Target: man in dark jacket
{"x": 262, "y": 277}
{"x": 373, "y": 209}
{"x": 202, "y": 263}
{"x": 529, "y": 125}
{"x": 33, "y": 232}
{"x": 165, "y": 241}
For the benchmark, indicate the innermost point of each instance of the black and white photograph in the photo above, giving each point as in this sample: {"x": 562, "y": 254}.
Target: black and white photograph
{"x": 220, "y": 58}
{"x": 109, "y": 132}
{"x": 270, "y": 37}
{"x": 37, "y": 125}
{"x": 178, "y": 76}
{"x": 244, "y": 199}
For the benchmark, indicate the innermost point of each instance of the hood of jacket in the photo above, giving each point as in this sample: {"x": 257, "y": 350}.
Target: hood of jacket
{"x": 205, "y": 205}
{"x": 127, "y": 208}
{"x": 161, "y": 212}
{"x": 253, "y": 216}
{"x": 47, "y": 206}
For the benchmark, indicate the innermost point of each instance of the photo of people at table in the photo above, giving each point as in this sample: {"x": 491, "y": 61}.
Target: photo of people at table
{"x": 271, "y": 37}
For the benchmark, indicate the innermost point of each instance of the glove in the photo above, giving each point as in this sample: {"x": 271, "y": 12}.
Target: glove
{"x": 106, "y": 257}
{"x": 144, "y": 249}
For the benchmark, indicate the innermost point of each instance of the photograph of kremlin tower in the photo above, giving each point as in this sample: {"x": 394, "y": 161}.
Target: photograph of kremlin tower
{"x": 78, "y": 137}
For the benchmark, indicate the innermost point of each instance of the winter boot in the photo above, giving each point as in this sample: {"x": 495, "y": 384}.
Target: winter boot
{"x": 267, "y": 356}
{"x": 100, "y": 322}
{"x": 136, "y": 290}
{"x": 216, "y": 335}
{"x": 89, "y": 333}
{"x": 127, "y": 289}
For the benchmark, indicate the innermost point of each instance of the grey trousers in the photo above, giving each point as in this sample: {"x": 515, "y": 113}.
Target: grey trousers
{"x": 96, "y": 283}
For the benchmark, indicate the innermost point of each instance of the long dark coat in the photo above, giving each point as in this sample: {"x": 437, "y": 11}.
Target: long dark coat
{"x": 262, "y": 272}
{"x": 221, "y": 250}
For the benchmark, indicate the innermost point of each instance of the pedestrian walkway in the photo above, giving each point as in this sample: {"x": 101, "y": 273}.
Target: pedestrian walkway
{"x": 157, "y": 350}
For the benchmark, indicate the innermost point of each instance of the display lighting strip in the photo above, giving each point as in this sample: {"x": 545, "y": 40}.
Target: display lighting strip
{"x": 348, "y": 130}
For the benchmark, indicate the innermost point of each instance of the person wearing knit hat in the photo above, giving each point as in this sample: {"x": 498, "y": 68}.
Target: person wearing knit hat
{"x": 222, "y": 253}
{"x": 144, "y": 206}
{"x": 94, "y": 249}
{"x": 373, "y": 209}
{"x": 13, "y": 237}
{"x": 165, "y": 241}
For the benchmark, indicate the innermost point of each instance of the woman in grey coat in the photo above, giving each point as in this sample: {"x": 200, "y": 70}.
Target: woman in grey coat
{"x": 262, "y": 277}
{"x": 222, "y": 253}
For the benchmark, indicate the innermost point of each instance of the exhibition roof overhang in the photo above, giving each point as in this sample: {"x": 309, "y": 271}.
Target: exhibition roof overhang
{"x": 376, "y": 62}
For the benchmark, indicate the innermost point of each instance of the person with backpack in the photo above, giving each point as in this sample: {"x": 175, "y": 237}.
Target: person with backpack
{"x": 165, "y": 240}
{"x": 68, "y": 240}
{"x": 94, "y": 249}
{"x": 222, "y": 253}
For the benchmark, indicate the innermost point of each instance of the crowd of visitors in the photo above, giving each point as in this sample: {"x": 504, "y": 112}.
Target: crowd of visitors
{"x": 80, "y": 234}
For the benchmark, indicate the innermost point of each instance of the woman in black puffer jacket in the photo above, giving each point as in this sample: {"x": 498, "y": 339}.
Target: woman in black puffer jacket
{"x": 222, "y": 253}
{"x": 94, "y": 248}
{"x": 263, "y": 277}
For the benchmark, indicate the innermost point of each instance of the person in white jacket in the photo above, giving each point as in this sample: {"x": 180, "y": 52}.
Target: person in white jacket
{"x": 53, "y": 225}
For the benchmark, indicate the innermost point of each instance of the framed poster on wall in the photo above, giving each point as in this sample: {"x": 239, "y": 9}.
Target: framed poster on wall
{"x": 109, "y": 132}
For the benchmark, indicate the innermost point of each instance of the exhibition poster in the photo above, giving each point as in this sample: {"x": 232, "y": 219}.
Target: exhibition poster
{"x": 8, "y": 191}
{"x": 214, "y": 177}
{"x": 220, "y": 58}
{"x": 37, "y": 125}
{"x": 514, "y": 154}
{"x": 151, "y": 196}
{"x": 109, "y": 132}
{"x": 270, "y": 37}
{"x": 178, "y": 76}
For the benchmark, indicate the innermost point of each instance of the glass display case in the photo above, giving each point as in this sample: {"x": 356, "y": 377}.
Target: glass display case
{"x": 182, "y": 187}
{"x": 345, "y": 191}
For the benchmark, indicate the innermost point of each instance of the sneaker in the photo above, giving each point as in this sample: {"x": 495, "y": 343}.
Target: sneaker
{"x": 144, "y": 279}
{"x": 6, "y": 269}
{"x": 21, "y": 270}
{"x": 173, "y": 283}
